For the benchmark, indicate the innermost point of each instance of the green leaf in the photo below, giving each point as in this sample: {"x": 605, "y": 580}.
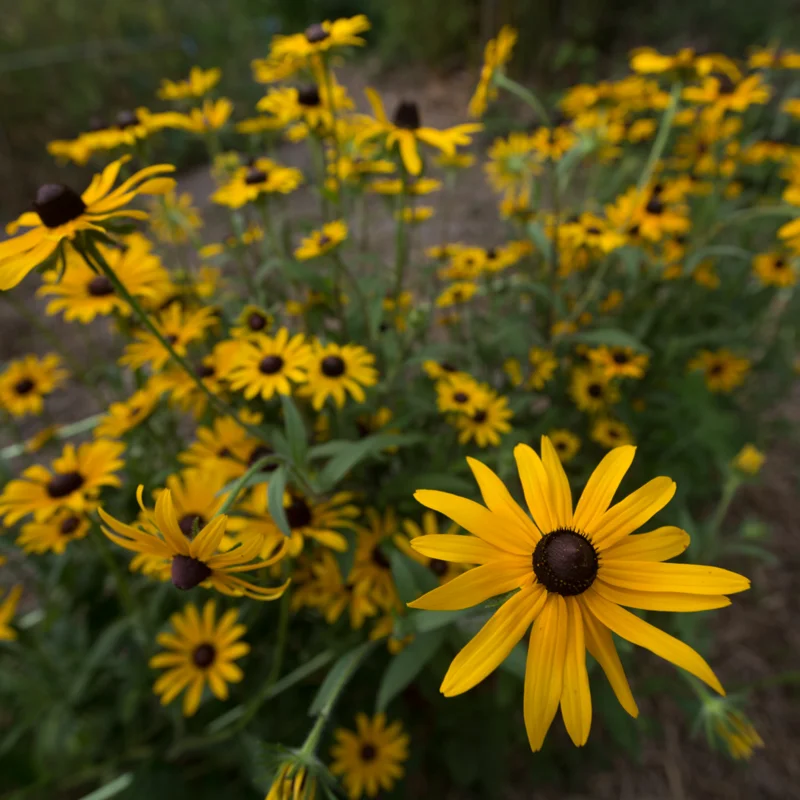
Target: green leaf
{"x": 296, "y": 433}
{"x": 424, "y": 621}
{"x": 102, "y": 648}
{"x": 340, "y": 673}
{"x": 277, "y": 486}
{"x": 719, "y": 251}
{"x": 111, "y": 789}
{"x": 612, "y": 337}
{"x": 539, "y": 237}
{"x": 406, "y": 665}
{"x": 410, "y": 577}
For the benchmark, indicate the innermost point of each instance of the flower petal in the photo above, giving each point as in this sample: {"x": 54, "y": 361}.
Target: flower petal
{"x": 659, "y": 601}
{"x": 536, "y": 488}
{"x": 576, "y": 699}
{"x": 495, "y": 640}
{"x": 642, "y": 633}
{"x": 653, "y": 576}
{"x": 409, "y": 152}
{"x": 544, "y": 669}
{"x": 658, "y": 545}
{"x": 560, "y": 494}
{"x": 476, "y": 585}
{"x": 208, "y": 540}
{"x": 602, "y": 486}
{"x": 456, "y": 547}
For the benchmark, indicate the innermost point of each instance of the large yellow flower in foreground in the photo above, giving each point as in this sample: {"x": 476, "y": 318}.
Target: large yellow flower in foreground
{"x": 60, "y": 213}
{"x": 572, "y": 571}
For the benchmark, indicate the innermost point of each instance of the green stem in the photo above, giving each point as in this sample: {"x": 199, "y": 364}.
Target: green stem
{"x": 101, "y": 264}
{"x": 83, "y": 425}
{"x": 360, "y": 296}
{"x": 242, "y": 482}
{"x": 710, "y": 545}
{"x": 661, "y": 137}
{"x": 401, "y": 239}
{"x": 280, "y": 643}
{"x": 527, "y": 96}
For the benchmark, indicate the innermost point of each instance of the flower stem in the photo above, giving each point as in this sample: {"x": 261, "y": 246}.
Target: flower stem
{"x": 401, "y": 238}
{"x": 661, "y": 138}
{"x": 527, "y": 96}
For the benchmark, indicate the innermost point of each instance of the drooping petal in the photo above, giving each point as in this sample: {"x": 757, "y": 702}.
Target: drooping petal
{"x": 576, "y": 699}
{"x": 535, "y": 486}
{"x": 544, "y": 669}
{"x": 659, "y": 601}
{"x": 653, "y": 576}
{"x": 631, "y": 513}
{"x": 601, "y": 645}
{"x": 14, "y": 269}
{"x": 602, "y": 486}
{"x": 377, "y": 105}
{"x": 461, "y": 549}
{"x": 642, "y": 633}
{"x": 473, "y": 517}
{"x": 476, "y": 585}
{"x": 208, "y": 540}
{"x": 658, "y": 545}
{"x": 499, "y": 500}
{"x": 167, "y": 523}
{"x": 560, "y": 493}
{"x": 495, "y": 640}
{"x": 409, "y": 152}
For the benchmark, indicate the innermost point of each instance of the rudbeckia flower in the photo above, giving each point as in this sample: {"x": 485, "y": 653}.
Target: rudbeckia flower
{"x": 26, "y": 382}
{"x": 263, "y": 176}
{"x": 611, "y": 433}
{"x": 723, "y": 370}
{"x": 565, "y": 443}
{"x": 125, "y": 415}
{"x": 495, "y": 56}
{"x": 486, "y": 423}
{"x": 320, "y": 37}
{"x": 199, "y": 82}
{"x": 572, "y": 572}
{"x": 293, "y": 782}
{"x": 60, "y": 214}
{"x": 53, "y": 535}
{"x": 322, "y": 241}
{"x": 336, "y": 371}
{"x": 775, "y": 269}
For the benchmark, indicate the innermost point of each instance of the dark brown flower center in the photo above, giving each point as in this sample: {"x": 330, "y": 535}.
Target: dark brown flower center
{"x": 594, "y": 230}
{"x": 256, "y": 322}
{"x": 407, "y": 115}
{"x": 25, "y": 386}
{"x": 779, "y": 263}
{"x": 726, "y": 85}
{"x": 204, "y": 655}
{"x": 447, "y": 367}
{"x": 565, "y": 562}
{"x": 595, "y": 390}
{"x": 654, "y": 206}
{"x": 332, "y": 367}
{"x": 379, "y": 558}
{"x": 309, "y": 97}
{"x": 259, "y": 452}
{"x": 324, "y": 240}
{"x": 479, "y": 416}
{"x": 620, "y": 358}
{"x": 316, "y": 33}
{"x": 188, "y": 572}
{"x": 255, "y": 176}
{"x": 204, "y": 371}
{"x": 69, "y": 525}
{"x": 171, "y": 338}
{"x": 64, "y": 483}
{"x": 438, "y": 567}
{"x": 190, "y": 524}
{"x": 270, "y": 365}
{"x": 100, "y": 286}
{"x": 460, "y": 397}
{"x": 57, "y": 204}
{"x": 368, "y": 752}
{"x": 298, "y": 514}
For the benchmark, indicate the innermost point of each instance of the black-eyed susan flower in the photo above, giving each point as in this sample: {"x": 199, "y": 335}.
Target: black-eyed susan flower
{"x": 749, "y": 460}
{"x": 405, "y": 130}
{"x": 370, "y": 758}
{"x": 438, "y": 370}
{"x": 173, "y": 217}
{"x": 125, "y": 415}
{"x": 75, "y": 481}
{"x": 543, "y": 364}
{"x": 457, "y": 294}
{"x": 321, "y": 37}
{"x": 371, "y": 566}
{"x": 720, "y": 94}
{"x": 496, "y": 55}
{"x": 212, "y": 116}
{"x": 591, "y": 389}
{"x": 60, "y": 214}
{"x": 575, "y": 570}
{"x": 200, "y": 651}
{"x": 512, "y": 163}
{"x": 336, "y": 371}
{"x": 486, "y": 423}
{"x": 722, "y": 369}
{"x": 194, "y": 561}
{"x": 8, "y": 607}
{"x": 199, "y": 82}
{"x": 252, "y": 320}
{"x": 196, "y": 498}
{"x": 460, "y": 392}
{"x": 263, "y": 176}
{"x": 313, "y": 106}
{"x": 53, "y": 535}
{"x": 26, "y": 382}
{"x": 773, "y": 58}
{"x": 775, "y": 269}
{"x": 619, "y": 362}
{"x": 611, "y": 433}
{"x": 269, "y": 365}
{"x": 322, "y": 241}
{"x": 444, "y": 571}
{"x": 727, "y": 725}
{"x": 179, "y": 326}
{"x": 565, "y": 443}
{"x": 645, "y": 213}
{"x": 293, "y": 781}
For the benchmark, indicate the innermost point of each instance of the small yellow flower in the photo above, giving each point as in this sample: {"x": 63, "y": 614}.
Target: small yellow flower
{"x": 337, "y": 370}
{"x": 543, "y": 366}
{"x": 199, "y": 83}
{"x": 26, "y": 382}
{"x": 566, "y": 444}
{"x": 611, "y": 433}
{"x": 415, "y": 215}
{"x": 53, "y": 535}
{"x": 456, "y": 294}
{"x": 622, "y": 362}
{"x": 775, "y": 269}
{"x": 322, "y": 241}
{"x": 487, "y": 422}
{"x": 723, "y": 370}
{"x": 212, "y": 116}
{"x": 495, "y": 56}
{"x": 749, "y": 459}
{"x": 124, "y": 416}
{"x": 293, "y": 782}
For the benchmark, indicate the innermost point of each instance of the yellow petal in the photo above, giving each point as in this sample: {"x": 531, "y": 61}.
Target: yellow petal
{"x": 642, "y": 633}
{"x": 659, "y": 601}
{"x": 560, "y": 494}
{"x": 167, "y": 523}
{"x": 409, "y": 152}
{"x": 631, "y": 513}
{"x": 602, "y": 485}
{"x": 601, "y": 645}
{"x": 535, "y": 486}
{"x": 457, "y": 548}
{"x": 499, "y": 500}
{"x": 191, "y": 700}
{"x": 658, "y": 545}
{"x": 495, "y": 640}
{"x": 647, "y": 576}
{"x": 544, "y": 669}
{"x": 476, "y": 585}
{"x": 472, "y": 517}
{"x": 208, "y": 540}
{"x": 576, "y": 699}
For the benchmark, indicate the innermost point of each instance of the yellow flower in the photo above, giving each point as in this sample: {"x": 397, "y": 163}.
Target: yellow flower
{"x": 512, "y": 164}
{"x": 773, "y": 58}
{"x": 293, "y": 782}
{"x": 212, "y": 116}
{"x": 173, "y": 217}
{"x": 322, "y": 241}
{"x": 415, "y": 215}
{"x": 320, "y": 37}
{"x": 749, "y": 459}
{"x": 252, "y": 321}
{"x": 369, "y": 759}
{"x": 486, "y": 423}
{"x": 437, "y": 370}
{"x": 314, "y": 106}
{"x": 553, "y": 143}
{"x": 722, "y": 94}
{"x": 263, "y": 176}
{"x": 645, "y": 214}
{"x": 269, "y": 365}
{"x": 77, "y": 478}
{"x": 26, "y": 382}
{"x": 53, "y": 535}
{"x": 591, "y": 389}
{"x": 371, "y": 567}
{"x": 704, "y": 274}
{"x": 60, "y": 214}
{"x": 565, "y": 443}
{"x": 396, "y": 186}
{"x": 728, "y": 724}
{"x": 125, "y": 415}
{"x": 7, "y": 610}
{"x": 543, "y": 366}
{"x": 611, "y": 433}
{"x": 513, "y": 369}
{"x": 196, "y": 561}
{"x": 495, "y": 56}
{"x": 619, "y": 362}
{"x": 774, "y": 269}
{"x": 198, "y": 83}
{"x": 459, "y": 392}
{"x": 456, "y": 294}
{"x": 406, "y": 132}
{"x": 723, "y": 370}
{"x": 199, "y": 651}
{"x": 336, "y": 370}
{"x": 444, "y": 571}
{"x": 574, "y": 572}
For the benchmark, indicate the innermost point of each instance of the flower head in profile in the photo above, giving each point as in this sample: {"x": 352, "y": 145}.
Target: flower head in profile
{"x": 60, "y": 214}
{"x": 749, "y": 460}
{"x": 320, "y": 37}
{"x": 200, "y": 651}
{"x": 336, "y": 371}
{"x": 317, "y": 243}
{"x": 199, "y": 83}
{"x": 26, "y": 382}
{"x": 263, "y": 176}
{"x": 727, "y": 726}
{"x": 194, "y": 559}
{"x": 293, "y": 781}
{"x": 573, "y": 570}
{"x": 211, "y": 116}
{"x": 495, "y": 56}
{"x": 370, "y": 758}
